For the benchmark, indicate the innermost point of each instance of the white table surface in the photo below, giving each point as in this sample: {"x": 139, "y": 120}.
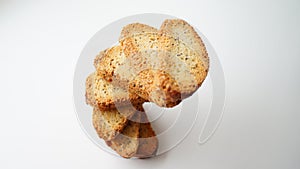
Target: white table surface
{"x": 257, "y": 43}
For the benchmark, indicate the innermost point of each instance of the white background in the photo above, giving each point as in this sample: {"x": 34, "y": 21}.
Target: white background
{"x": 257, "y": 43}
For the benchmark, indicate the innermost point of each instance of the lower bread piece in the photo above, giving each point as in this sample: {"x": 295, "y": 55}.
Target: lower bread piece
{"x": 110, "y": 123}
{"x": 126, "y": 143}
{"x": 148, "y": 142}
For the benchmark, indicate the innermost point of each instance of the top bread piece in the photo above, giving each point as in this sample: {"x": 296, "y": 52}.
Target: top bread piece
{"x": 109, "y": 60}
{"x": 189, "y": 49}
{"x": 182, "y": 31}
{"x": 134, "y": 29}
{"x": 138, "y": 37}
{"x": 120, "y": 73}
{"x": 187, "y": 64}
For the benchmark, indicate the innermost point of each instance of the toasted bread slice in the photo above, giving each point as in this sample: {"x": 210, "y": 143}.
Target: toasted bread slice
{"x": 138, "y": 37}
{"x": 182, "y": 58}
{"x": 137, "y": 139}
{"x": 120, "y": 73}
{"x": 126, "y": 143}
{"x": 106, "y": 96}
{"x": 187, "y": 61}
{"x": 106, "y": 61}
{"x": 108, "y": 124}
{"x": 185, "y": 33}
{"x": 134, "y": 29}
{"x": 189, "y": 50}
{"x": 148, "y": 142}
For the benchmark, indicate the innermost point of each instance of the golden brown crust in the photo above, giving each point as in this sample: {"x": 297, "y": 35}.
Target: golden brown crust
{"x": 99, "y": 57}
{"x": 158, "y": 86}
{"x": 188, "y": 43}
{"x": 107, "y": 60}
{"x": 163, "y": 66}
{"x": 186, "y": 48}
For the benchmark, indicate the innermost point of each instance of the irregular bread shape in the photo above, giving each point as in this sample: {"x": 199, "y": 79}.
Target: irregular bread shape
{"x": 187, "y": 62}
{"x": 181, "y": 30}
{"x": 121, "y": 74}
{"x": 176, "y": 38}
